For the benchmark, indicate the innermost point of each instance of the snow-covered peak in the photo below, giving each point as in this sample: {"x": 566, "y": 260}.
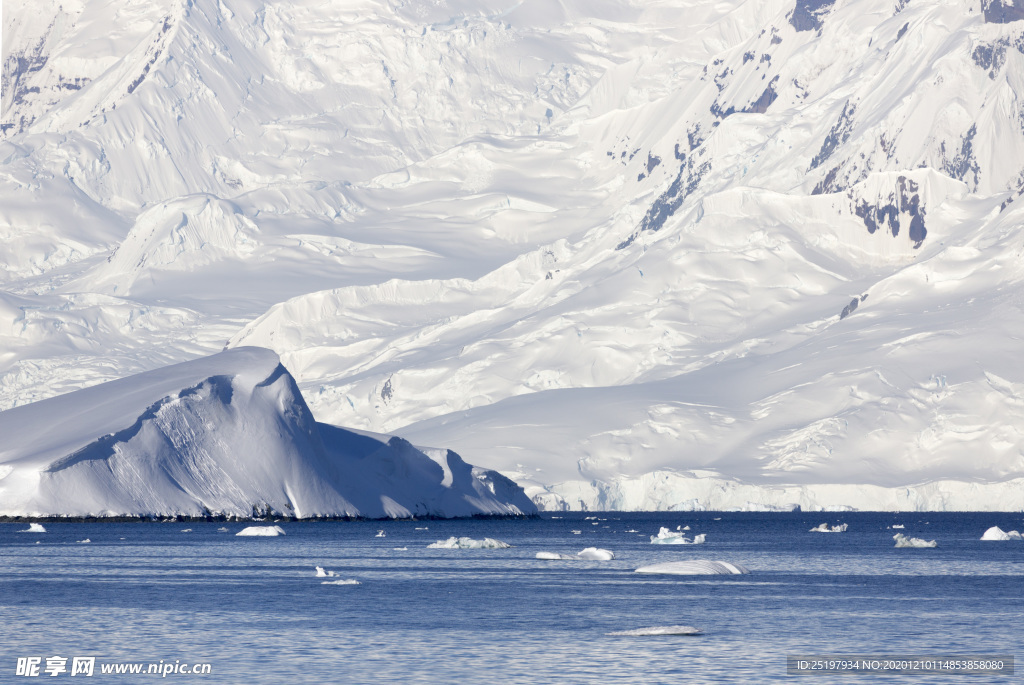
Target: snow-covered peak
{"x": 228, "y": 434}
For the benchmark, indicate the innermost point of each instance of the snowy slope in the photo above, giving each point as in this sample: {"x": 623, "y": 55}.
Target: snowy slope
{"x": 663, "y": 255}
{"x": 226, "y": 434}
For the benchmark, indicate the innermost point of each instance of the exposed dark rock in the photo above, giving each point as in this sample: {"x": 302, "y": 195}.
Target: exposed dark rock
{"x": 652, "y": 162}
{"x": 838, "y": 135}
{"x": 1002, "y": 11}
{"x": 748, "y": 56}
{"x": 686, "y": 181}
{"x": 808, "y": 15}
{"x": 828, "y": 184}
{"x": 849, "y": 309}
{"x": 903, "y": 204}
{"x": 963, "y": 163}
{"x": 776, "y": 38}
{"x": 990, "y": 58}
{"x": 902, "y": 31}
{"x": 760, "y": 105}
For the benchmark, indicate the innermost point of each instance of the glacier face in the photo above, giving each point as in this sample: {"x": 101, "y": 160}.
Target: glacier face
{"x": 640, "y": 256}
{"x": 227, "y": 434}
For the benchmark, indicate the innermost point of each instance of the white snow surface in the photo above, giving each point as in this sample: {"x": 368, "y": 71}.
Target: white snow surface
{"x": 678, "y": 255}
{"x": 695, "y": 567}
{"x": 231, "y": 434}
{"x": 261, "y": 531}
{"x": 997, "y": 533}
{"x": 469, "y": 543}
{"x": 904, "y": 541}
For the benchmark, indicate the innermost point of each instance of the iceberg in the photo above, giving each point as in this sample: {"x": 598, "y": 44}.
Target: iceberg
{"x": 996, "y": 533}
{"x": 468, "y": 543}
{"x": 226, "y": 434}
{"x": 903, "y": 541}
{"x": 695, "y": 567}
{"x": 261, "y": 531}
{"x": 658, "y": 630}
{"x": 321, "y": 573}
{"x": 676, "y": 537}
{"x": 824, "y": 528}
{"x": 555, "y": 556}
{"x": 595, "y": 554}
{"x": 34, "y": 528}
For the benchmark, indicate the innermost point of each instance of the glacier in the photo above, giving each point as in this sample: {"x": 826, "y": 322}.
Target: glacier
{"x": 674, "y": 256}
{"x": 227, "y": 435}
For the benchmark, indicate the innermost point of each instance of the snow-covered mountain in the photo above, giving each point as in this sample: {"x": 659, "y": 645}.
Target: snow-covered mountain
{"x": 230, "y": 435}
{"x": 656, "y": 255}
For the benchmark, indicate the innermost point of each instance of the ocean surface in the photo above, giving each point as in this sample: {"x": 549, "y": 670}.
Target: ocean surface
{"x": 254, "y": 609}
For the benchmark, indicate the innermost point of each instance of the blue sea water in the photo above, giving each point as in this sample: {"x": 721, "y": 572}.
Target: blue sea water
{"x": 254, "y": 609}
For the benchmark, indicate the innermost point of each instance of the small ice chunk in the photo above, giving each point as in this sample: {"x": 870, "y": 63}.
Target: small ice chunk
{"x": 696, "y": 567}
{"x": 261, "y": 531}
{"x": 348, "y": 581}
{"x": 996, "y": 533}
{"x": 186, "y": 530}
{"x": 824, "y": 528}
{"x": 380, "y": 534}
{"x": 595, "y": 554}
{"x": 554, "y": 556}
{"x": 321, "y": 573}
{"x": 898, "y": 526}
{"x": 676, "y": 537}
{"x": 400, "y": 549}
{"x": 632, "y": 531}
{"x": 468, "y": 543}
{"x": 658, "y": 630}
{"x": 222, "y": 529}
{"x": 903, "y": 541}
{"x": 82, "y": 542}
{"x": 34, "y": 528}
{"x": 577, "y": 532}
{"x": 423, "y": 528}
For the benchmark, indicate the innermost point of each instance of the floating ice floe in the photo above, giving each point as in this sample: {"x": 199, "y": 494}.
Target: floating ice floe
{"x": 996, "y": 533}
{"x": 322, "y": 573}
{"x": 632, "y": 531}
{"x": 261, "y": 531}
{"x": 400, "y": 549}
{"x": 348, "y": 581}
{"x": 596, "y": 554}
{"x": 676, "y": 537}
{"x": 903, "y": 541}
{"x": 34, "y": 528}
{"x": 658, "y": 630}
{"x": 898, "y": 526}
{"x": 824, "y": 528}
{"x": 555, "y": 556}
{"x": 468, "y": 543}
{"x": 695, "y": 567}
